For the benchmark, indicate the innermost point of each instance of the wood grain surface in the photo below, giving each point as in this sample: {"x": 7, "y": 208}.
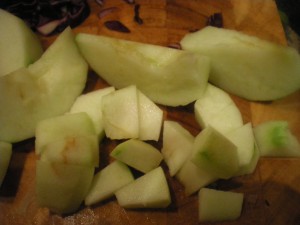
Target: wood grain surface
{"x": 272, "y": 192}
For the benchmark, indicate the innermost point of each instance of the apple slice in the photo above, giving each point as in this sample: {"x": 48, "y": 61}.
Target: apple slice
{"x": 107, "y": 181}
{"x": 150, "y": 118}
{"x": 62, "y": 187}
{"x": 177, "y": 145}
{"x": 138, "y": 154}
{"x": 91, "y": 103}
{"x": 45, "y": 89}
{"x": 274, "y": 138}
{"x": 167, "y": 76}
{"x": 60, "y": 127}
{"x": 120, "y": 113}
{"x": 215, "y": 205}
{"x": 216, "y": 108}
{"x": 19, "y": 46}
{"x": 245, "y": 65}
{"x": 5, "y": 156}
{"x": 215, "y": 153}
{"x": 148, "y": 191}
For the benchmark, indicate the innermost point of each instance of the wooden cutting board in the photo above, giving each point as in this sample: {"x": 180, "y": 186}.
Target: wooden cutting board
{"x": 272, "y": 192}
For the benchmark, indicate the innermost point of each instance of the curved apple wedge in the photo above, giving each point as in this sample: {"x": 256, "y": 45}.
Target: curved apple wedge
{"x": 167, "y": 76}
{"x": 45, "y": 89}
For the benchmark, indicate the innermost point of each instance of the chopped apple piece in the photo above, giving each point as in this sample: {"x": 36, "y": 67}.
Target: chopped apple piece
{"x": 214, "y": 153}
{"x": 167, "y": 76}
{"x": 148, "y": 191}
{"x": 274, "y": 138}
{"x": 19, "y": 46}
{"x": 91, "y": 103}
{"x": 107, "y": 181}
{"x": 177, "y": 145}
{"x": 245, "y": 65}
{"x": 138, "y": 154}
{"x": 62, "y": 187}
{"x": 215, "y": 205}
{"x": 5, "y": 156}
{"x": 47, "y": 88}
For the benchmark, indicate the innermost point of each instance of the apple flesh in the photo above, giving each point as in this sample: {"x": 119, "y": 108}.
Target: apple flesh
{"x": 216, "y": 205}
{"x": 19, "y": 46}
{"x": 45, "y": 89}
{"x": 107, "y": 181}
{"x": 148, "y": 191}
{"x": 138, "y": 154}
{"x": 5, "y": 153}
{"x": 275, "y": 139}
{"x": 167, "y": 76}
{"x": 245, "y": 65}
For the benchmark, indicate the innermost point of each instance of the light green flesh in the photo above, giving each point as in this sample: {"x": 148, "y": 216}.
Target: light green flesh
{"x": 45, "y": 89}
{"x": 5, "y": 156}
{"x": 19, "y": 46}
{"x": 138, "y": 154}
{"x": 167, "y": 76}
{"x": 241, "y": 63}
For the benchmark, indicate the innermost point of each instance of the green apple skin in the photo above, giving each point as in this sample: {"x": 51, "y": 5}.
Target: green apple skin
{"x": 19, "y": 45}
{"x": 64, "y": 126}
{"x": 177, "y": 145}
{"x": 215, "y": 153}
{"x": 216, "y": 108}
{"x": 275, "y": 139}
{"x": 107, "y": 181}
{"x": 45, "y": 89}
{"x": 120, "y": 113}
{"x": 5, "y": 156}
{"x": 91, "y": 103}
{"x": 150, "y": 118}
{"x": 241, "y": 63}
{"x": 137, "y": 154}
{"x": 216, "y": 205}
{"x": 148, "y": 191}
{"x": 62, "y": 187}
{"x": 167, "y": 76}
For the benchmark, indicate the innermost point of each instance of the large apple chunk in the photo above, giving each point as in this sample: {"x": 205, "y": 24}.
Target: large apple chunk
{"x": 167, "y": 76}
{"x": 19, "y": 46}
{"x": 148, "y": 191}
{"x": 245, "y": 65}
{"x": 45, "y": 89}
{"x": 215, "y": 205}
{"x": 5, "y": 155}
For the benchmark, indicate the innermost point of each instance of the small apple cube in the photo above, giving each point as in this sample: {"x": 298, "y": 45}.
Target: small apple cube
{"x": 5, "y": 156}
{"x": 138, "y": 154}
{"x": 91, "y": 103}
{"x": 275, "y": 139}
{"x": 177, "y": 145}
{"x": 214, "y": 153}
{"x": 215, "y": 205}
{"x": 107, "y": 181}
{"x": 148, "y": 191}
{"x": 62, "y": 187}
{"x": 120, "y": 113}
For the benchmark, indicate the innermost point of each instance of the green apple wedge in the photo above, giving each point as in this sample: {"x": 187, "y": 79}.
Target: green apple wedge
{"x": 62, "y": 187}
{"x": 138, "y": 155}
{"x": 216, "y": 205}
{"x": 167, "y": 76}
{"x": 148, "y": 191}
{"x": 177, "y": 145}
{"x": 91, "y": 103}
{"x": 45, "y": 89}
{"x": 107, "y": 181}
{"x": 275, "y": 139}
{"x": 245, "y": 65}
{"x": 19, "y": 45}
{"x": 5, "y": 156}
